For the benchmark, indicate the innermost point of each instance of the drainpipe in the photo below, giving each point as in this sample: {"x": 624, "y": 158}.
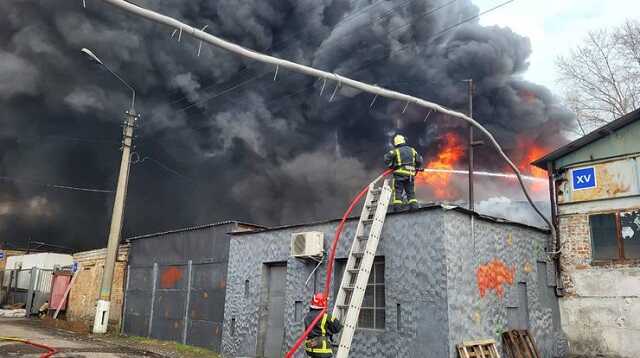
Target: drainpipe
{"x": 555, "y": 222}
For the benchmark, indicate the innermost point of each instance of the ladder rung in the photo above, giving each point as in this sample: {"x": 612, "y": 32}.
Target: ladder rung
{"x": 354, "y": 270}
{"x": 358, "y": 254}
{"x": 343, "y": 307}
{"x": 362, "y": 237}
{"x": 367, "y": 221}
{"x": 348, "y": 288}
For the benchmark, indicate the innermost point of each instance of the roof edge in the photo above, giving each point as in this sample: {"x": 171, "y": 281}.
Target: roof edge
{"x": 589, "y": 138}
{"x": 193, "y": 228}
{"x": 424, "y": 207}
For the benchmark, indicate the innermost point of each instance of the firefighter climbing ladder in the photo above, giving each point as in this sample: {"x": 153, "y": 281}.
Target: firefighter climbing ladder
{"x": 360, "y": 262}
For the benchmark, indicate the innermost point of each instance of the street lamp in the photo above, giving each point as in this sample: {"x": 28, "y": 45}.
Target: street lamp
{"x": 95, "y": 58}
{"x": 101, "y": 320}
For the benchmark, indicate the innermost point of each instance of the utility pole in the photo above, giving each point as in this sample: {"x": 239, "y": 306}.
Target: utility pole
{"x": 102, "y": 309}
{"x": 470, "y": 146}
{"x": 101, "y": 320}
{"x": 472, "y": 143}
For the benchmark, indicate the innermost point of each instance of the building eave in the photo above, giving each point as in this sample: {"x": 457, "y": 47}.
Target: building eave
{"x": 588, "y": 139}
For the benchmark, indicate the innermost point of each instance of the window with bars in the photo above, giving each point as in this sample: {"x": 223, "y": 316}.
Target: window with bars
{"x": 615, "y": 236}
{"x": 372, "y": 313}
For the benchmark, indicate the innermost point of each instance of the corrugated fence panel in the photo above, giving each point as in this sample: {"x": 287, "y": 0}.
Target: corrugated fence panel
{"x": 206, "y": 301}
{"x": 138, "y": 296}
{"x": 170, "y": 302}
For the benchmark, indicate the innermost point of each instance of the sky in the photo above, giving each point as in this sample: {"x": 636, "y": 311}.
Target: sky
{"x": 555, "y": 26}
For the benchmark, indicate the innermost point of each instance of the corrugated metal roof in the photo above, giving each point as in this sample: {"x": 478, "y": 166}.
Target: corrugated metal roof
{"x": 588, "y": 139}
{"x": 423, "y": 207}
{"x": 193, "y": 228}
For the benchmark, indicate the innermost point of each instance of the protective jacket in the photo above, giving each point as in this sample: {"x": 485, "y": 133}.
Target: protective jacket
{"x": 317, "y": 343}
{"x": 404, "y": 160}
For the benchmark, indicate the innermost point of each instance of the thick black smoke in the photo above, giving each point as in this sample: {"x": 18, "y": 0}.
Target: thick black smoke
{"x": 263, "y": 151}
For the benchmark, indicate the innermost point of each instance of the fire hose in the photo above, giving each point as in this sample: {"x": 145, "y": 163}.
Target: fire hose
{"x": 332, "y": 256}
{"x": 50, "y": 350}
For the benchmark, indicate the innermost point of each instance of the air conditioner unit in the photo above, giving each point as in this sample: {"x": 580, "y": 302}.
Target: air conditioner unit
{"x": 307, "y": 244}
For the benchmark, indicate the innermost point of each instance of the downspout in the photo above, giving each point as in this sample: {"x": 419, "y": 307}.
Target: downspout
{"x": 554, "y": 240}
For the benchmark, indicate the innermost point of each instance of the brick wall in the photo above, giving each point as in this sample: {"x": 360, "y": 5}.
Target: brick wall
{"x": 84, "y": 294}
{"x": 575, "y": 241}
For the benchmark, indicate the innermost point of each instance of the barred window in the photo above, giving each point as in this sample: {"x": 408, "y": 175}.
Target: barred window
{"x": 372, "y": 312}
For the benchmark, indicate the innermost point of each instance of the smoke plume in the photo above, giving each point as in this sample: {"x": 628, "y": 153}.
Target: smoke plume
{"x": 219, "y": 137}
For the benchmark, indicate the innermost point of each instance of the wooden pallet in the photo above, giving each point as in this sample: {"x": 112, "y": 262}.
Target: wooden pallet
{"x": 478, "y": 349}
{"x": 519, "y": 344}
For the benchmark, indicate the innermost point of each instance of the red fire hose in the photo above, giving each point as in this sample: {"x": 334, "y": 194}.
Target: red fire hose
{"x": 50, "y": 350}
{"x": 332, "y": 256}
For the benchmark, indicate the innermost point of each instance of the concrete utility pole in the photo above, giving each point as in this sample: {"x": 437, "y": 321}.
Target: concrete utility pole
{"x": 101, "y": 320}
{"x": 470, "y": 147}
{"x": 472, "y": 143}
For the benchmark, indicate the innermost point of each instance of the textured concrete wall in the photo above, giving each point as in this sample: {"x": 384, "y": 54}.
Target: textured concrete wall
{"x": 431, "y": 266}
{"x": 529, "y": 302}
{"x": 86, "y": 288}
{"x": 412, "y": 246}
{"x": 600, "y": 310}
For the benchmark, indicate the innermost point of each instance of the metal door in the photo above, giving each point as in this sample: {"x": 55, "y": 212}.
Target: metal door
{"x": 274, "y": 305}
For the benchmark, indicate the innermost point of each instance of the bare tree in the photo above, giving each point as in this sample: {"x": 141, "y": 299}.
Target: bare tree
{"x": 601, "y": 75}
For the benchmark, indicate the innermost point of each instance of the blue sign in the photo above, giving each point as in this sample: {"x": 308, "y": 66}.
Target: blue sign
{"x": 1, "y": 255}
{"x": 74, "y": 266}
{"x": 584, "y": 178}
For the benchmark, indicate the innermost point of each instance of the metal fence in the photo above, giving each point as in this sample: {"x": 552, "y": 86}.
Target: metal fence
{"x": 31, "y": 287}
{"x": 179, "y": 302}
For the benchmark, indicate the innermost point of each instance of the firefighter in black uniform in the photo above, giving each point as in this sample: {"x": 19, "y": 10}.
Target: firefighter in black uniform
{"x": 405, "y": 162}
{"x": 318, "y": 344}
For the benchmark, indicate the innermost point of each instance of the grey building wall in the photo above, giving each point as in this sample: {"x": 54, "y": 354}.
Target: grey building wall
{"x": 431, "y": 264}
{"x": 528, "y": 303}
{"x": 165, "y": 293}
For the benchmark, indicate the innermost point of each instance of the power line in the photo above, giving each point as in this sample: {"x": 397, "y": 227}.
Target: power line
{"x": 54, "y": 186}
{"x": 162, "y": 166}
{"x": 427, "y": 13}
{"x": 373, "y": 61}
{"x": 66, "y": 138}
{"x": 344, "y": 21}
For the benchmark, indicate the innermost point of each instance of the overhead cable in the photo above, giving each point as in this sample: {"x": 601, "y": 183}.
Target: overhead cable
{"x": 54, "y": 186}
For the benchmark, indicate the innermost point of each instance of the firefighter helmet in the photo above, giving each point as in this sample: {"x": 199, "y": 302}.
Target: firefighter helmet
{"x": 399, "y": 139}
{"x": 318, "y": 301}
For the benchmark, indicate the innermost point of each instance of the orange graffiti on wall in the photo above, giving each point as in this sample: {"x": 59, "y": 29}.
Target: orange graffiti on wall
{"x": 492, "y": 276}
{"x": 170, "y": 276}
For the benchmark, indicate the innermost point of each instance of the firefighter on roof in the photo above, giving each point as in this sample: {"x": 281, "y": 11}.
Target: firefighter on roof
{"x": 318, "y": 344}
{"x": 405, "y": 162}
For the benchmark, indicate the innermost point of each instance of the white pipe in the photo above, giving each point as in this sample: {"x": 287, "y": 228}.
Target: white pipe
{"x": 341, "y": 80}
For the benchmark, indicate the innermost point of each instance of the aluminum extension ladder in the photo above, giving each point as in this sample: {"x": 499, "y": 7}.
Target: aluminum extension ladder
{"x": 360, "y": 262}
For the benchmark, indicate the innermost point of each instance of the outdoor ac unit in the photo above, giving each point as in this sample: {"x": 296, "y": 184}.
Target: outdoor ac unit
{"x": 307, "y": 244}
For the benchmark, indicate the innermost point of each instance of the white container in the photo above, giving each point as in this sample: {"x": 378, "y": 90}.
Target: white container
{"x": 42, "y": 261}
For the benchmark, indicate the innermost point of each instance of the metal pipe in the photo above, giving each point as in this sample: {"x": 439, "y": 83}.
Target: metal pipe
{"x": 343, "y": 81}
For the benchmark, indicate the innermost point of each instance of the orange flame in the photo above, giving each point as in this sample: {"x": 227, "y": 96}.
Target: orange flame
{"x": 453, "y": 150}
{"x": 531, "y": 151}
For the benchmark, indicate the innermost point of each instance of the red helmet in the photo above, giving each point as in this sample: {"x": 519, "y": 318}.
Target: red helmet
{"x": 318, "y": 301}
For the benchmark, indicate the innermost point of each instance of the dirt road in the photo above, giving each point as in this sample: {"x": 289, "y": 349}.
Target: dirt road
{"x": 69, "y": 344}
